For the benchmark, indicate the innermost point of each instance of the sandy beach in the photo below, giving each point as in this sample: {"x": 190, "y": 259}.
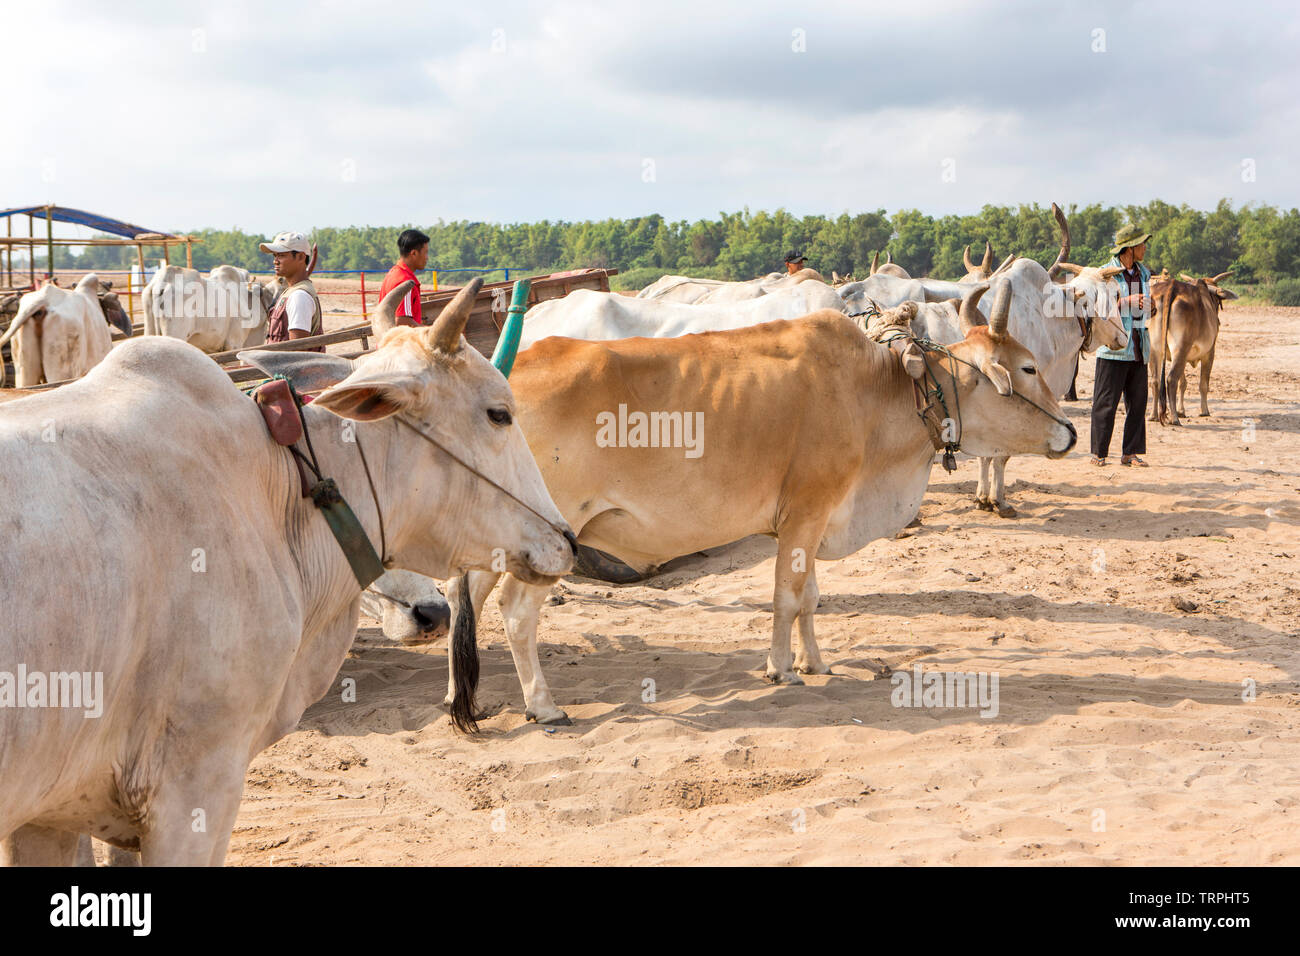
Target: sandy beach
{"x": 1143, "y": 626}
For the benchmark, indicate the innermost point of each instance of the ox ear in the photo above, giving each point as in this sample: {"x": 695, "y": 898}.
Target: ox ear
{"x": 308, "y": 371}
{"x": 369, "y": 398}
{"x": 913, "y": 359}
{"x": 999, "y": 376}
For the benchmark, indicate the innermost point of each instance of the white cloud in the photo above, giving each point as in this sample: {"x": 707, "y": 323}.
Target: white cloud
{"x": 303, "y": 115}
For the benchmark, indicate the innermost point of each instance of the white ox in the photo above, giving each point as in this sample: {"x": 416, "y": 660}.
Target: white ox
{"x": 597, "y": 316}
{"x": 1055, "y": 321}
{"x": 225, "y": 310}
{"x": 412, "y": 607}
{"x": 890, "y": 268}
{"x": 57, "y": 335}
{"x": 687, "y": 290}
{"x": 203, "y": 598}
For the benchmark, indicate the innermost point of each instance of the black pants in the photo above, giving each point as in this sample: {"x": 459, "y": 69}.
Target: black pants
{"x": 1112, "y": 379}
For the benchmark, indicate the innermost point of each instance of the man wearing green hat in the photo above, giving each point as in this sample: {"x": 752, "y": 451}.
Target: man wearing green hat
{"x": 1124, "y": 371}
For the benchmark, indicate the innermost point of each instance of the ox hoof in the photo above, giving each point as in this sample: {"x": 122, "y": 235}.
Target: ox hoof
{"x": 811, "y": 669}
{"x": 1203, "y": 415}
{"x": 983, "y": 505}
{"x": 1006, "y": 511}
{"x": 557, "y": 719}
{"x": 789, "y": 677}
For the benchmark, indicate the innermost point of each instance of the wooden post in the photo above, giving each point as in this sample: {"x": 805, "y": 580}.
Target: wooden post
{"x": 435, "y": 280}
{"x": 130, "y": 298}
{"x": 189, "y": 252}
{"x": 365, "y": 315}
{"x": 9, "y": 229}
{"x": 31, "y": 248}
{"x": 49, "y": 241}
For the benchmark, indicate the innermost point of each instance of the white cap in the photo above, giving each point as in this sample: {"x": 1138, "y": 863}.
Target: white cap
{"x": 287, "y": 242}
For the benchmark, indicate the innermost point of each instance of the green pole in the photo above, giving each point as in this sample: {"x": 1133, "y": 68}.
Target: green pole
{"x": 508, "y": 344}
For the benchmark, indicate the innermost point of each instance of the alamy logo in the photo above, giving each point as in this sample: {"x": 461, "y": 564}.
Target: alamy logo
{"x": 74, "y": 908}
{"x": 946, "y": 689}
{"x": 215, "y": 298}
{"x": 626, "y": 429}
{"x": 73, "y": 689}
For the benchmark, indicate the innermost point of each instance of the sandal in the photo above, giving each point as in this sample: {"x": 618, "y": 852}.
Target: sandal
{"x": 1099, "y": 462}
{"x": 1128, "y": 461}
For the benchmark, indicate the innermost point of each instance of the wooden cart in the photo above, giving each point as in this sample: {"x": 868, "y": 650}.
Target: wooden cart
{"x": 489, "y": 312}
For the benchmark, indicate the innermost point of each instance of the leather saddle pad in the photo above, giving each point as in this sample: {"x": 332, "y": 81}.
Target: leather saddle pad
{"x": 275, "y": 401}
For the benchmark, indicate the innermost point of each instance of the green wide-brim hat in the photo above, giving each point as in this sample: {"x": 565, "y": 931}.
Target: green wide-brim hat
{"x": 1129, "y": 236}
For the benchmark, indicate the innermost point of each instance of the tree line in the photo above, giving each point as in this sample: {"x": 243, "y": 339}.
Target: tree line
{"x": 1260, "y": 243}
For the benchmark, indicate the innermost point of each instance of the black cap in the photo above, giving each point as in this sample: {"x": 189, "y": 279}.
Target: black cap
{"x": 793, "y": 256}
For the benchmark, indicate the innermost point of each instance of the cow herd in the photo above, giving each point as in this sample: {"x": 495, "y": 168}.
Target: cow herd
{"x": 176, "y": 570}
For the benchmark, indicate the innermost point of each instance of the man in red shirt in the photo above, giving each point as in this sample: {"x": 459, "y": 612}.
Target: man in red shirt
{"x": 413, "y": 247}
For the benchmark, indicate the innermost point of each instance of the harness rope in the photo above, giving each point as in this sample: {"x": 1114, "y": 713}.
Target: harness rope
{"x": 928, "y": 397}
{"x": 325, "y": 491}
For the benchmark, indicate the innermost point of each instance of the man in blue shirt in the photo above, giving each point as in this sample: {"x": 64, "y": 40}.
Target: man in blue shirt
{"x": 1124, "y": 371}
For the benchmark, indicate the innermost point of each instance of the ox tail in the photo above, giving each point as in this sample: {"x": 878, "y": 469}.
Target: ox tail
{"x": 19, "y": 321}
{"x": 464, "y": 659}
{"x": 1162, "y": 332}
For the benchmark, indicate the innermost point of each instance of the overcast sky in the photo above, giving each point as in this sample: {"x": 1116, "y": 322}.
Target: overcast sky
{"x": 287, "y": 115}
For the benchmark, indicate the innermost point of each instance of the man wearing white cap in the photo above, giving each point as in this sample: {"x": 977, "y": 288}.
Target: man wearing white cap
{"x": 296, "y": 313}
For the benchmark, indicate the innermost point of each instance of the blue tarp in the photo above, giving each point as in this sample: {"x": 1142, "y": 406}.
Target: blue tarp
{"x": 82, "y": 218}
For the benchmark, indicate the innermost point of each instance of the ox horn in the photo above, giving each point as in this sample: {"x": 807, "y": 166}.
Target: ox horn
{"x": 965, "y": 257}
{"x": 875, "y": 263}
{"x": 1220, "y": 276}
{"x": 1001, "y": 310}
{"x": 1064, "y": 254}
{"x": 446, "y": 330}
{"x": 987, "y": 262}
{"x": 969, "y": 312}
{"x": 1068, "y": 267}
{"x": 1186, "y": 278}
{"x": 385, "y": 316}
{"x": 1006, "y": 264}
{"x": 889, "y": 258}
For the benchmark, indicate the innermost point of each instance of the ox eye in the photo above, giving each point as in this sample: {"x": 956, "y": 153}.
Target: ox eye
{"x": 499, "y": 416}
{"x": 1028, "y": 369}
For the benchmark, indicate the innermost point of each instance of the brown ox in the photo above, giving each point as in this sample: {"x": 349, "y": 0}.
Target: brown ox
{"x": 809, "y": 434}
{"x": 1185, "y": 332}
